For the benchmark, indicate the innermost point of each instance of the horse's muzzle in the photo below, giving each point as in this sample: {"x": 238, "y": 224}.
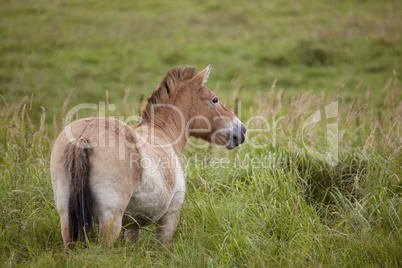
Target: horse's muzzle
{"x": 237, "y": 134}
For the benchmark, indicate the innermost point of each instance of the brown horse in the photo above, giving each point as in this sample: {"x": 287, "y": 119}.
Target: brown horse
{"x": 103, "y": 169}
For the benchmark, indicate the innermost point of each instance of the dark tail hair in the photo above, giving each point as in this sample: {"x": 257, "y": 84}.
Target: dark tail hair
{"x": 80, "y": 213}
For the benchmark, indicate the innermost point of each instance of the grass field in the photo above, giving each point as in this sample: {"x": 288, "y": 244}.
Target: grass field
{"x": 275, "y": 205}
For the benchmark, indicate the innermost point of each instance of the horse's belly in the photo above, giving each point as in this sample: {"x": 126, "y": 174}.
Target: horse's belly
{"x": 160, "y": 191}
{"x": 150, "y": 200}
{"x": 143, "y": 211}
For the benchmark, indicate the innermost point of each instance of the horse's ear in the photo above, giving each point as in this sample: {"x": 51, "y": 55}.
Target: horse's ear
{"x": 202, "y": 77}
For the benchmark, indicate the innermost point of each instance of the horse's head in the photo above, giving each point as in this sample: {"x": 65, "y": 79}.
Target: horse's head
{"x": 210, "y": 119}
{"x": 183, "y": 102}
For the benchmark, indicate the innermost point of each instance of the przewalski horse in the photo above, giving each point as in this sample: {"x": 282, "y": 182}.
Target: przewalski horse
{"x": 103, "y": 169}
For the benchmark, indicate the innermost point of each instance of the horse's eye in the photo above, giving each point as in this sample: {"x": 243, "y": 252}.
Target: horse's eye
{"x": 215, "y": 100}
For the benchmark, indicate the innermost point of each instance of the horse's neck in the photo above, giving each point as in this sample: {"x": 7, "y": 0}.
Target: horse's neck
{"x": 164, "y": 133}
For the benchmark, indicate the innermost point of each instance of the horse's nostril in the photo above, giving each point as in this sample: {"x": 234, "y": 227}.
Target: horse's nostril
{"x": 243, "y": 138}
{"x": 243, "y": 129}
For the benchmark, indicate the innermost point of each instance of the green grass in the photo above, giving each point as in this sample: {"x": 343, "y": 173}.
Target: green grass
{"x": 273, "y": 206}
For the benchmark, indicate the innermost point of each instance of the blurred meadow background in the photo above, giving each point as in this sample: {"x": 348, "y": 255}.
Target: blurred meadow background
{"x": 277, "y": 58}
{"x": 305, "y": 45}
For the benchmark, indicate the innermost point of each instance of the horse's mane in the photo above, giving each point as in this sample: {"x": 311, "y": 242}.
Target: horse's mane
{"x": 167, "y": 87}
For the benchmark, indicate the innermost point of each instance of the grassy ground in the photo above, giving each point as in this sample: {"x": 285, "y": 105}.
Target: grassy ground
{"x": 278, "y": 205}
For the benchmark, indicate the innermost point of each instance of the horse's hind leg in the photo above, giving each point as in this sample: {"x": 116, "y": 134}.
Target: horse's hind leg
{"x": 110, "y": 206}
{"x": 132, "y": 235}
{"x": 109, "y": 228}
{"x": 65, "y": 232}
{"x": 166, "y": 227}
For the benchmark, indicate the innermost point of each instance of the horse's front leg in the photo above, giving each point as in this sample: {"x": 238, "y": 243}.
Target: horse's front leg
{"x": 166, "y": 227}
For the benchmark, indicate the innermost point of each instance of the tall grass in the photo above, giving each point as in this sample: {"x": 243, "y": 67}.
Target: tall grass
{"x": 278, "y": 205}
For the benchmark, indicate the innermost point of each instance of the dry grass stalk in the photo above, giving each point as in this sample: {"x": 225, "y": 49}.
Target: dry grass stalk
{"x": 364, "y": 122}
{"x": 55, "y": 129}
{"x": 380, "y": 123}
{"x": 399, "y": 110}
{"x": 397, "y": 124}
{"x": 311, "y": 134}
{"x": 336, "y": 93}
{"x": 42, "y": 120}
{"x": 13, "y": 130}
{"x": 370, "y": 139}
{"x": 23, "y": 114}
{"x": 8, "y": 112}
{"x": 31, "y": 126}
{"x": 394, "y": 153}
{"x": 395, "y": 78}
{"x": 22, "y": 128}
{"x": 340, "y": 137}
{"x": 42, "y": 124}
{"x": 387, "y": 84}
{"x": 277, "y": 103}
{"x": 388, "y": 140}
{"x": 126, "y": 93}
{"x": 5, "y": 108}
{"x": 282, "y": 133}
{"x": 356, "y": 114}
{"x": 368, "y": 94}
{"x": 64, "y": 109}
{"x": 204, "y": 183}
{"x": 298, "y": 109}
{"x": 236, "y": 108}
{"x": 14, "y": 120}
{"x": 351, "y": 108}
{"x": 273, "y": 85}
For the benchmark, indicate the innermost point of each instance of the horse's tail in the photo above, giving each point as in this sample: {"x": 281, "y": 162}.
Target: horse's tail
{"x": 80, "y": 212}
